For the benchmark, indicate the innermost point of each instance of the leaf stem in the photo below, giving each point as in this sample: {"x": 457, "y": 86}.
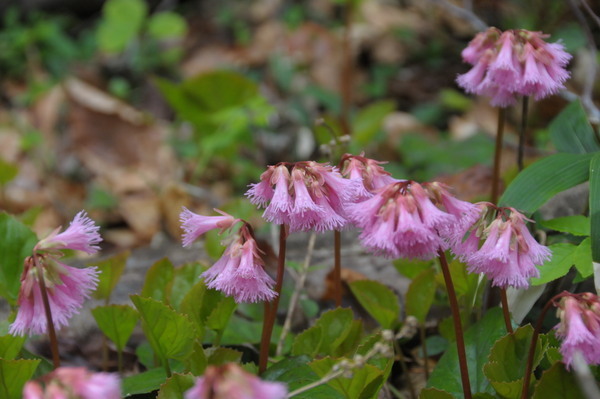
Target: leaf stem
{"x": 458, "y": 331}
{"x": 48, "y": 312}
{"x": 337, "y": 269}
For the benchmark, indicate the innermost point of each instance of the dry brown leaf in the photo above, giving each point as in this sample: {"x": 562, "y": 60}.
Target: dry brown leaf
{"x": 172, "y": 198}
{"x": 141, "y": 211}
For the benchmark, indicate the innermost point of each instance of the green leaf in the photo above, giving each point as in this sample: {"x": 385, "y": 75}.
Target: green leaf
{"x": 207, "y": 307}
{"x": 16, "y": 243}
{"x": 116, "y": 322}
{"x": 184, "y": 279}
{"x": 378, "y": 300}
{"x": 433, "y": 393}
{"x": 167, "y": 25}
{"x": 296, "y": 373}
{"x": 159, "y": 281}
{"x": 544, "y": 179}
{"x": 368, "y": 121}
{"x": 144, "y": 382}
{"x": 176, "y": 386}
{"x": 221, "y": 313}
{"x": 8, "y": 171}
{"x": 578, "y": 225}
{"x": 307, "y": 342}
{"x": 120, "y": 24}
{"x": 410, "y": 267}
{"x": 557, "y": 383}
{"x": 558, "y": 265}
{"x": 479, "y": 339}
{"x": 420, "y": 294}
{"x": 595, "y": 206}
{"x": 334, "y": 326}
{"x": 571, "y": 131}
{"x": 111, "y": 270}
{"x": 197, "y": 360}
{"x": 507, "y": 361}
{"x": 13, "y": 375}
{"x": 10, "y": 346}
{"x": 360, "y": 385}
{"x": 170, "y": 334}
{"x": 582, "y": 258}
{"x": 220, "y": 356}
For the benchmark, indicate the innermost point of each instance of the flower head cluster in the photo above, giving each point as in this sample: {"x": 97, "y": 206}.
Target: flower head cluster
{"x": 305, "y": 196}
{"x": 500, "y": 245}
{"x": 230, "y": 381}
{"x": 67, "y": 287}
{"x": 579, "y": 327}
{"x": 74, "y": 383}
{"x": 367, "y": 173}
{"x": 240, "y": 271}
{"x": 511, "y": 63}
{"x": 407, "y": 219}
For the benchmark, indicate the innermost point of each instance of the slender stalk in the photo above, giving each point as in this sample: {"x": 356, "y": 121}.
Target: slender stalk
{"x": 165, "y": 363}
{"x": 104, "y": 353}
{"x": 49, "y": 322}
{"x": 458, "y": 331}
{"x": 337, "y": 269}
{"x": 315, "y": 384}
{"x": 534, "y": 338}
{"x": 347, "y": 71}
{"x": 522, "y": 133}
{"x": 505, "y": 310}
{"x": 498, "y": 155}
{"x": 271, "y": 314}
{"x": 424, "y": 346}
{"x": 120, "y": 360}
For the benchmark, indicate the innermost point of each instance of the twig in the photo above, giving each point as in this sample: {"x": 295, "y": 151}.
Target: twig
{"x": 462, "y": 13}
{"x": 296, "y": 294}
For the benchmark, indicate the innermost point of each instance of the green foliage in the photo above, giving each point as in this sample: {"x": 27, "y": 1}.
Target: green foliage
{"x": 111, "y": 270}
{"x": 433, "y": 393}
{"x": 420, "y": 294}
{"x": 166, "y": 25}
{"x": 565, "y": 255}
{"x": 184, "y": 278}
{"x": 378, "y": 300}
{"x": 13, "y": 375}
{"x": 143, "y": 382}
{"x": 8, "y": 171}
{"x": 176, "y": 386}
{"x": 571, "y": 131}
{"x": 362, "y": 385}
{"x": 159, "y": 281}
{"x": 16, "y": 243}
{"x": 10, "y": 346}
{"x": 557, "y": 383}
{"x": 411, "y": 268}
{"x": 595, "y": 207}
{"x": 121, "y": 22}
{"x": 218, "y": 356}
{"x": 116, "y": 322}
{"x": 367, "y": 122}
{"x": 578, "y": 225}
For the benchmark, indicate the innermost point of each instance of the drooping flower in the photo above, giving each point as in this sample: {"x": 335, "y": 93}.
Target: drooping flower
{"x": 230, "y": 381}
{"x": 407, "y": 219}
{"x": 305, "y": 195}
{"x": 74, "y": 383}
{"x": 511, "y": 63}
{"x": 66, "y": 287}
{"x": 195, "y": 225}
{"x": 503, "y": 249}
{"x": 368, "y": 174}
{"x": 579, "y": 327}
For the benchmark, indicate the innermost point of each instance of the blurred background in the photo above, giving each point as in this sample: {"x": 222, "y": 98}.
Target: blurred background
{"x": 132, "y": 108}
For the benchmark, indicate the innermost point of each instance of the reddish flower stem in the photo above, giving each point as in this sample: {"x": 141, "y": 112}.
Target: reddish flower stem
{"x": 498, "y": 155}
{"x": 271, "y": 309}
{"x": 458, "y": 331}
{"x": 337, "y": 268}
{"x": 505, "y": 310}
{"x": 522, "y": 135}
{"x": 48, "y": 312}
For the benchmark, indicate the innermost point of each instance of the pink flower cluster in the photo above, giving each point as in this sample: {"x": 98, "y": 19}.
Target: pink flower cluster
{"x": 240, "y": 271}
{"x": 407, "y": 219}
{"x": 67, "y": 287}
{"x": 74, "y": 383}
{"x": 305, "y": 196}
{"x": 230, "y": 381}
{"x": 367, "y": 173}
{"x": 511, "y": 63}
{"x": 502, "y": 248}
{"x": 579, "y": 327}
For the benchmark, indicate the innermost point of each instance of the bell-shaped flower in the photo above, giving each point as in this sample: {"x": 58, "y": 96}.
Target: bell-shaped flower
{"x": 74, "y": 383}
{"x": 195, "y": 225}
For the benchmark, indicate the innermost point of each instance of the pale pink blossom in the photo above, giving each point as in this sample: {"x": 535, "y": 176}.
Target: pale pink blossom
{"x": 74, "y": 383}
{"x": 230, "y": 381}
{"x": 195, "y": 225}
{"x": 81, "y": 235}
{"x": 579, "y": 328}
{"x": 368, "y": 174}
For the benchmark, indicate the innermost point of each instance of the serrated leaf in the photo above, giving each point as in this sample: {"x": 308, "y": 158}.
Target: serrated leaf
{"x": 378, "y": 300}
{"x": 578, "y": 225}
{"x": 185, "y": 277}
{"x": 307, "y": 342}
{"x": 197, "y": 360}
{"x": 362, "y": 384}
{"x": 420, "y": 294}
{"x": 207, "y": 307}
{"x": 595, "y": 206}
{"x": 158, "y": 281}
{"x": 544, "y": 179}
{"x": 13, "y": 376}
{"x": 167, "y": 25}
{"x": 16, "y": 243}
{"x": 433, "y": 393}
{"x": 582, "y": 258}
{"x": 144, "y": 382}
{"x": 170, "y": 334}
{"x": 479, "y": 339}
{"x": 220, "y": 356}
{"x": 571, "y": 131}
{"x": 557, "y": 383}
{"x": 219, "y": 317}
{"x": 121, "y": 21}
{"x": 558, "y": 265}
{"x": 111, "y": 270}
{"x": 176, "y": 386}
{"x": 10, "y": 346}
{"x": 116, "y": 322}
{"x": 411, "y": 267}
{"x": 335, "y": 326}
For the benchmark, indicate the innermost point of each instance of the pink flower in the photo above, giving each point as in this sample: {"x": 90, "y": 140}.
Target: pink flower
{"x": 240, "y": 271}
{"x": 579, "y": 328}
{"x": 195, "y": 225}
{"x": 230, "y": 381}
{"x": 367, "y": 173}
{"x": 306, "y": 196}
{"x": 81, "y": 235}
{"x": 74, "y": 383}
{"x": 509, "y": 254}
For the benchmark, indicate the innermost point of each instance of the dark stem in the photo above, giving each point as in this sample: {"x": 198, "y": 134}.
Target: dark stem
{"x": 104, "y": 353}
{"x": 120, "y": 360}
{"x": 424, "y": 346}
{"x": 49, "y": 322}
{"x": 505, "y": 310}
{"x": 167, "y": 367}
{"x": 498, "y": 155}
{"x": 534, "y": 338}
{"x": 458, "y": 331}
{"x": 347, "y": 71}
{"x": 522, "y": 133}
{"x": 271, "y": 311}
{"x": 337, "y": 269}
